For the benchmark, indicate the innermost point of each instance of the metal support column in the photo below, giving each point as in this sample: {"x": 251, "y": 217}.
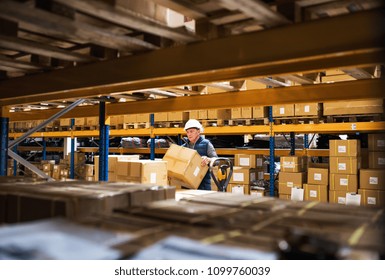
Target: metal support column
{"x": 272, "y": 155}
{"x": 104, "y": 134}
{"x": 292, "y": 143}
{"x": 306, "y": 141}
{"x": 4, "y": 145}
{"x": 15, "y": 162}
{"x": 44, "y": 149}
{"x": 152, "y": 141}
{"x": 72, "y": 159}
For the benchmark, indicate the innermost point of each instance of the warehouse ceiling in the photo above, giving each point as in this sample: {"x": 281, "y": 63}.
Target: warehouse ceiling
{"x": 53, "y": 52}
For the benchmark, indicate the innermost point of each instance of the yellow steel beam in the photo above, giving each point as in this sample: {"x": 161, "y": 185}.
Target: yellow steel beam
{"x": 38, "y": 148}
{"x": 308, "y": 46}
{"x": 225, "y": 130}
{"x": 220, "y": 151}
{"x": 361, "y": 89}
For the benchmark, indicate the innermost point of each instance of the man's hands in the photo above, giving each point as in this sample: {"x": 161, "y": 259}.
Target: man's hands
{"x": 205, "y": 161}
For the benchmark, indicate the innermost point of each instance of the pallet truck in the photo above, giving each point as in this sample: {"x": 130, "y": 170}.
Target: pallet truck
{"x": 224, "y": 173}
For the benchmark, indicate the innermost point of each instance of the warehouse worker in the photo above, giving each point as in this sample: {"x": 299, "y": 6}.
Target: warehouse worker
{"x": 203, "y": 146}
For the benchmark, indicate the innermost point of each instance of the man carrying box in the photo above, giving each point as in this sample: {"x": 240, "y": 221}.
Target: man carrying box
{"x": 203, "y": 146}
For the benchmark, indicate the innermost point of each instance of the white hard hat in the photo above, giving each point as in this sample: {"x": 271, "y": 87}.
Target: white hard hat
{"x": 193, "y": 124}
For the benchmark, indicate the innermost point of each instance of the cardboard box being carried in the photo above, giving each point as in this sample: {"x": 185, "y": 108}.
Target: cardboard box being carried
{"x": 184, "y": 165}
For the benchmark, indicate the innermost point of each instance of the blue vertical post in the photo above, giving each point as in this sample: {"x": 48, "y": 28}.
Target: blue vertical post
{"x": 104, "y": 135}
{"x": 15, "y": 162}
{"x": 4, "y": 145}
{"x": 292, "y": 143}
{"x": 152, "y": 142}
{"x": 306, "y": 141}
{"x": 272, "y": 153}
{"x": 180, "y": 142}
{"x": 44, "y": 149}
{"x": 72, "y": 159}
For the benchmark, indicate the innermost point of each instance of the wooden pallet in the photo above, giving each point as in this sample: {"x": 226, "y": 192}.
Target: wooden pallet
{"x": 298, "y": 120}
{"x": 136, "y": 125}
{"x": 355, "y": 118}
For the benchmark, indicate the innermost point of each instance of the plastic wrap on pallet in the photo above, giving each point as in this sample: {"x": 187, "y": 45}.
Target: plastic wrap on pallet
{"x": 133, "y": 142}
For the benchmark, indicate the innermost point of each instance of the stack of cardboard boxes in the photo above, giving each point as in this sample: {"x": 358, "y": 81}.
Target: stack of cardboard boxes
{"x": 345, "y": 163}
{"x": 317, "y": 185}
{"x": 372, "y": 180}
{"x": 247, "y": 169}
{"x": 292, "y": 175}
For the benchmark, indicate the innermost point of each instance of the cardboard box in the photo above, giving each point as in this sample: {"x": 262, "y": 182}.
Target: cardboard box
{"x": 318, "y": 176}
{"x": 143, "y": 171}
{"x": 345, "y": 165}
{"x": 220, "y": 114}
{"x": 94, "y": 121}
{"x": 372, "y": 197}
{"x": 143, "y": 118}
{"x": 306, "y": 109}
{"x": 161, "y": 117}
{"x": 316, "y": 192}
{"x": 345, "y": 148}
{"x": 236, "y": 113}
{"x": 239, "y": 188}
{"x": 245, "y": 160}
{"x": 80, "y": 121}
{"x": 242, "y": 175}
{"x": 65, "y": 122}
{"x": 372, "y": 179}
{"x": 338, "y": 197}
{"x": 376, "y": 142}
{"x": 247, "y": 112}
{"x": 184, "y": 165}
{"x": 202, "y": 114}
{"x": 112, "y": 165}
{"x": 130, "y": 118}
{"x": 284, "y": 196}
{"x": 376, "y": 160}
{"x": 292, "y": 164}
{"x": 286, "y": 110}
{"x": 178, "y": 116}
{"x": 288, "y": 180}
{"x": 344, "y": 182}
{"x": 194, "y": 114}
{"x": 348, "y": 107}
{"x": 260, "y": 112}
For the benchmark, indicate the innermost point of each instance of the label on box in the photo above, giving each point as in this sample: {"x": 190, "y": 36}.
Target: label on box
{"x": 353, "y": 199}
{"x": 288, "y": 164}
{"x": 244, "y": 162}
{"x": 373, "y": 180}
{"x": 381, "y": 161}
{"x": 371, "y": 200}
{"x": 259, "y": 162}
{"x": 196, "y": 171}
{"x": 260, "y": 175}
{"x": 237, "y": 189}
{"x": 343, "y": 182}
{"x": 342, "y": 166}
{"x": 342, "y": 149}
{"x": 317, "y": 176}
{"x": 282, "y": 110}
{"x": 290, "y": 184}
{"x": 307, "y": 108}
{"x": 313, "y": 193}
{"x": 296, "y": 194}
{"x": 341, "y": 200}
{"x": 238, "y": 177}
{"x": 153, "y": 178}
{"x": 380, "y": 143}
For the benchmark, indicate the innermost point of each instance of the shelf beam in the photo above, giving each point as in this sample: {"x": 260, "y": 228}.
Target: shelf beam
{"x": 310, "y": 46}
{"x": 225, "y": 130}
{"x": 352, "y": 90}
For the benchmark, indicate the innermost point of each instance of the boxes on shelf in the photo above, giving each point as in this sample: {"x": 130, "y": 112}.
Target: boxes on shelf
{"x": 202, "y": 114}
{"x": 345, "y": 165}
{"x": 65, "y": 122}
{"x": 376, "y": 160}
{"x": 260, "y": 112}
{"x": 288, "y": 180}
{"x": 318, "y": 176}
{"x": 286, "y": 110}
{"x": 80, "y": 121}
{"x": 241, "y": 113}
{"x": 376, "y": 142}
{"x": 160, "y": 117}
{"x": 243, "y": 175}
{"x": 142, "y": 171}
{"x": 315, "y": 192}
{"x": 94, "y": 121}
{"x": 238, "y": 188}
{"x": 344, "y": 182}
{"x": 178, "y": 116}
{"x": 292, "y": 164}
{"x": 184, "y": 165}
{"x": 372, "y": 197}
{"x": 112, "y": 165}
{"x": 345, "y": 148}
{"x": 307, "y": 109}
{"x": 245, "y": 160}
{"x": 349, "y": 107}
{"x": 220, "y": 114}
{"x": 130, "y": 118}
{"x": 143, "y": 118}
{"x": 372, "y": 179}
